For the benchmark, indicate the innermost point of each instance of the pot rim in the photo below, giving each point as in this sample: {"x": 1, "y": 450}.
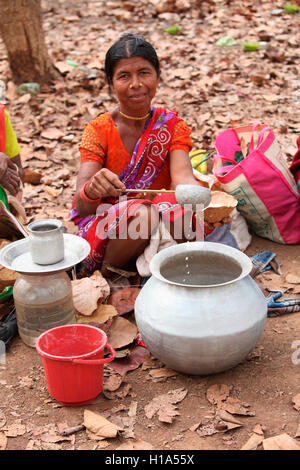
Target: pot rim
{"x": 44, "y": 222}
{"x": 238, "y": 256}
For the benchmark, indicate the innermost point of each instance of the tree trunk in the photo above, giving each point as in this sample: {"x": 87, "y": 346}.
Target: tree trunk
{"x": 22, "y": 32}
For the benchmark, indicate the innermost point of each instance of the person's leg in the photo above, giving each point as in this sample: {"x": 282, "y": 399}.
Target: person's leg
{"x": 120, "y": 252}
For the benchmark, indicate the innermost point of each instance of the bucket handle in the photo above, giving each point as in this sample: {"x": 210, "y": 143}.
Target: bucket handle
{"x": 97, "y": 362}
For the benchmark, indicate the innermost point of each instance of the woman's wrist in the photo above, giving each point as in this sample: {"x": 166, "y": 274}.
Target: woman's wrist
{"x": 85, "y": 198}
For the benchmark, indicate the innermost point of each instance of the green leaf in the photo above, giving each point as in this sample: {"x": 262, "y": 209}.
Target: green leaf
{"x": 173, "y": 30}
{"x": 289, "y": 8}
{"x": 251, "y": 46}
{"x": 226, "y": 41}
{"x": 71, "y": 62}
{"x": 7, "y": 292}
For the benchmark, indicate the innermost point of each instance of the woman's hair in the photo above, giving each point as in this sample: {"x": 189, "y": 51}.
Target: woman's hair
{"x": 129, "y": 45}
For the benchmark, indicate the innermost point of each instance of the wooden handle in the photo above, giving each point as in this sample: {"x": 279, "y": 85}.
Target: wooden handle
{"x": 148, "y": 191}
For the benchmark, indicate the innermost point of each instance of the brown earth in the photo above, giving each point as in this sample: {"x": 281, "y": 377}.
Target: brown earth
{"x": 267, "y": 382}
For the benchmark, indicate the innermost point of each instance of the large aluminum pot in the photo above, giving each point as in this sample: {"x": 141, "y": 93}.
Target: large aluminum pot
{"x": 206, "y": 321}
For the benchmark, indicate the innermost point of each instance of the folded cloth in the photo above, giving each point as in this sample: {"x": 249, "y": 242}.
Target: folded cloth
{"x": 239, "y": 231}
{"x": 264, "y": 261}
{"x": 8, "y": 328}
{"x": 159, "y": 240}
{"x": 278, "y": 307}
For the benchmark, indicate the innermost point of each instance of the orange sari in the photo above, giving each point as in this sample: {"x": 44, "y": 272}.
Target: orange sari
{"x": 147, "y": 167}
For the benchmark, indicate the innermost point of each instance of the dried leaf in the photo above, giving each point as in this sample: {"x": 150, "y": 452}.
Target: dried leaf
{"x": 217, "y": 393}
{"x": 158, "y": 373}
{"x": 132, "y": 409}
{"x": 113, "y": 383}
{"x": 258, "y": 429}
{"x": 32, "y": 177}
{"x": 53, "y": 191}
{"x": 15, "y": 429}
{"x": 63, "y": 67}
{"x": 292, "y": 279}
{"x": 121, "y": 333}
{"x": 99, "y": 425}
{"x": 11, "y": 91}
{"x": 2, "y": 419}
{"x": 225, "y": 416}
{"x": 164, "y": 405}
{"x": 280, "y": 442}
{"x": 137, "y": 356}
{"x": 224, "y": 426}
{"x": 88, "y": 291}
{"x": 253, "y": 442}
{"x": 296, "y": 401}
{"x": 236, "y": 407}
{"x": 298, "y": 431}
{"x": 136, "y": 444}
{"x": 103, "y": 313}
{"x": 124, "y": 299}
{"x": 3, "y": 441}
{"x": 122, "y": 392}
{"x": 195, "y": 426}
{"x": 128, "y": 423}
{"x": 52, "y": 133}
{"x": 244, "y": 147}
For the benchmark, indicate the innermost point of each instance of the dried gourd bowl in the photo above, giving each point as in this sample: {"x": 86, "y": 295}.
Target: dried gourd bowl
{"x": 220, "y": 207}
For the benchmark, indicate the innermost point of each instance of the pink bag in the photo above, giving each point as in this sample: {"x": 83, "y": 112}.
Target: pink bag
{"x": 261, "y": 182}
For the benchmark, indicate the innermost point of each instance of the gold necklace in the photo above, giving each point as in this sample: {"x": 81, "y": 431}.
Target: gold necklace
{"x": 135, "y": 118}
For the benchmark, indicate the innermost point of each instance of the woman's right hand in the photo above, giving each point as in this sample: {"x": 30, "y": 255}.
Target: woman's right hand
{"x": 9, "y": 178}
{"x": 104, "y": 184}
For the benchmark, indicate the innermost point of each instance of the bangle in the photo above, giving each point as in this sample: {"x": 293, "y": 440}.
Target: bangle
{"x": 85, "y": 198}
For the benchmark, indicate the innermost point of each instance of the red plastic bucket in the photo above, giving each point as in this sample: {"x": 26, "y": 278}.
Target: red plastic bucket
{"x": 73, "y": 358}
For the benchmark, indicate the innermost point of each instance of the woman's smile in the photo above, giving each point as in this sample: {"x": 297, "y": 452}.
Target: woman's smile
{"x": 135, "y": 81}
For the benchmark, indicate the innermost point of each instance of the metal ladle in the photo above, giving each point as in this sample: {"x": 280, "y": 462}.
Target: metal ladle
{"x": 193, "y": 195}
{"x": 186, "y": 194}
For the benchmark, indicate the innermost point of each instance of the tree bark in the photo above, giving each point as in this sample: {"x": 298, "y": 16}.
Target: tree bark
{"x": 21, "y": 29}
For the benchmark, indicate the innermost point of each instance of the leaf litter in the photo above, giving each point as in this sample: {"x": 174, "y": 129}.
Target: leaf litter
{"x": 165, "y": 405}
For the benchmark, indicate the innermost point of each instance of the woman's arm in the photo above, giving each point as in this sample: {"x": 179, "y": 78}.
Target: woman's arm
{"x": 100, "y": 183}
{"x": 181, "y": 170}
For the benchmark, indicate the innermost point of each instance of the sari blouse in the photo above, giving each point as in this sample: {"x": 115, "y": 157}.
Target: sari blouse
{"x": 102, "y": 143}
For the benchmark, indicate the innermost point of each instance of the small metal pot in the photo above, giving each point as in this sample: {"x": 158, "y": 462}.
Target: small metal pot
{"x": 46, "y": 241}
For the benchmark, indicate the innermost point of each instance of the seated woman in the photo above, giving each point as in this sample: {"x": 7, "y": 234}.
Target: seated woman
{"x": 136, "y": 146}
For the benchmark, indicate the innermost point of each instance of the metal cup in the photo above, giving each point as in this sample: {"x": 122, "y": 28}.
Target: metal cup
{"x": 46, "y": 241}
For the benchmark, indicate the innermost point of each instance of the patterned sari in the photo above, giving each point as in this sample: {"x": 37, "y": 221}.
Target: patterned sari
{"x": 147, "y": 160}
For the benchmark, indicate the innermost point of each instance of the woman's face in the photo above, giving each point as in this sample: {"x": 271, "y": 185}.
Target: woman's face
{"x": 135, "y": 81}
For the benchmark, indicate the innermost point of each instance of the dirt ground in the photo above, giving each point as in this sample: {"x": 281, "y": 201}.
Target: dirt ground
{"x": 213, "y": 88}
{"x": 267, "y": 382}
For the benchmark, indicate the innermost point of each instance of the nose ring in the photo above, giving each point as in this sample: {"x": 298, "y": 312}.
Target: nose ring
{"x": 141, "y": 84}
